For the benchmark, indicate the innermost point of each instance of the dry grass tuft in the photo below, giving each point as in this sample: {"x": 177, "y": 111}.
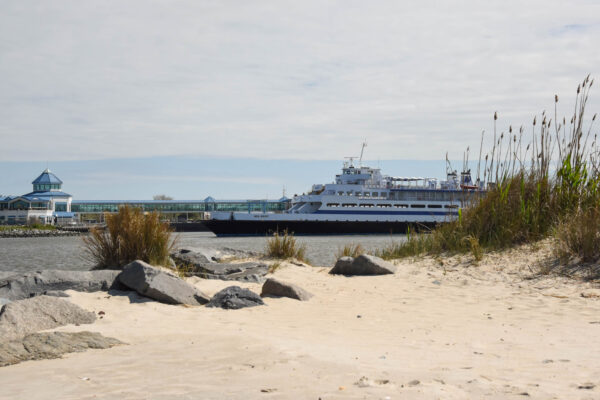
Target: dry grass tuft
{"x": 130, "y": 235}
{"x": 284, "y": 247}
{"x": 350, "y": 250}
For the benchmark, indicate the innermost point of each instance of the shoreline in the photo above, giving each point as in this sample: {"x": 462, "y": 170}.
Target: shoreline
{"x": 35, "y": 233}
{"x": 437, "y": 328}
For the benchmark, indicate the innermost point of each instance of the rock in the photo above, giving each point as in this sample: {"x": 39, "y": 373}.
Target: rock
{"x": 160, "y": 284}
{"x": 234, "y": 297}
{"x": 341, "y": 265}
{"x": 202, "y": 263}
{"x": 245, "y": 272}
{"x": 362, "y": 265}
{"x": 196, "y": 256}
{"x": 22, "y": 286}
{"x": 23, "y": 317}
{"x": 277, "y": 288}
{"x": 39, "y": 346}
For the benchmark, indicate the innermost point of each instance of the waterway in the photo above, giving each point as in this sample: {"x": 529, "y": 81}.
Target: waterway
{"x": 68, "y": 253}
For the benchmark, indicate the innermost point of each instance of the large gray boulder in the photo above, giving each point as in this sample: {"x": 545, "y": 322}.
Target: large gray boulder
{"x": 203, "y": 263}
{"x": 23, "y": 317}
{"x": 25, "y": 285}
{"x": 244, "y": 272}
{"x": 160, "y": 284}
{"x": 195, "y": 256}
{"x": 234, "y": 297}
{"x": 38, "y": 346}
{"x": 363, "y": 265}
{"x": 276, "y": 288}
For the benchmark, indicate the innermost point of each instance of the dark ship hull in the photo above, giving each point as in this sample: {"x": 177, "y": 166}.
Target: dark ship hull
{"x": 249, "y": 228}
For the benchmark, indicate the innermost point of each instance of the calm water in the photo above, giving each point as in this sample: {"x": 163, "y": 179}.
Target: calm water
{"x": 31, "y": 254}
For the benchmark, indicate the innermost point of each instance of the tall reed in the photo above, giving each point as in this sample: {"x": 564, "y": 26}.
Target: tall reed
{"x": 533, "y": 188}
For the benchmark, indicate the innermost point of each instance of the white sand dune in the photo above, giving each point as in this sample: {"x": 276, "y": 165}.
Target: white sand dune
{"x": 428, "y": 332}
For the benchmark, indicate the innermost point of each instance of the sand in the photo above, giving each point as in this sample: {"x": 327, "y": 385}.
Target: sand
{"x": 431, "y": 331}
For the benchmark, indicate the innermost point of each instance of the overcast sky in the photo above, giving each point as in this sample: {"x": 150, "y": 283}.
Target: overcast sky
{"x": 308, "y": 80}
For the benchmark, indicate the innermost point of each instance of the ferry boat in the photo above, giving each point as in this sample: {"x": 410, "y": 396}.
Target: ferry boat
{"x": 360, "y": 201}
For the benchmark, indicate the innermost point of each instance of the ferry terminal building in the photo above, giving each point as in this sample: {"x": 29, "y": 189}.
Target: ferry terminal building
{"x": 48, "y": 204}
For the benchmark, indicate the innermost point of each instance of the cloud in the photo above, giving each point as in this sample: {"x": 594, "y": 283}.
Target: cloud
{"x": 286, "y": 79}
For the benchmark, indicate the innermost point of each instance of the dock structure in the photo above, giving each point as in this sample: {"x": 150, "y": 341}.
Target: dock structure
{"x": 91, "y": 211}
{"x": 48, "y": 204}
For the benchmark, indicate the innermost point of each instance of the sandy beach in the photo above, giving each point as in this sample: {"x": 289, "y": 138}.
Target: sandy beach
{"x": 431, "y": 331}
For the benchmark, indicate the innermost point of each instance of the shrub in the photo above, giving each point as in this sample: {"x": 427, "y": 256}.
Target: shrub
{"x": 350, "y": 250}
{"x": 284, "y": 247}
{"x": 528, "y": 200}
{"x": 130, "y": 235}
{"x": 578, "y": 235}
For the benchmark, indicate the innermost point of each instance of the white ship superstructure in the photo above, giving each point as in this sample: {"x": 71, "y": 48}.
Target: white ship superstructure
{"x": 360, "y": 200}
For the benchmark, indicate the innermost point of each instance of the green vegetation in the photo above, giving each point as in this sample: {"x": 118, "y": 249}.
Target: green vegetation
{"x": 130, "y": 235}
{"x": 28, "y": 227}
{"x": 548, "y": 187}
{"x": 350, "y": 250}
{"x": 285, "y": 247}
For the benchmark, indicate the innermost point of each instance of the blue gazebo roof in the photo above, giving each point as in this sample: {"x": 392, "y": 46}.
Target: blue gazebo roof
{"x": 47, "y": 177}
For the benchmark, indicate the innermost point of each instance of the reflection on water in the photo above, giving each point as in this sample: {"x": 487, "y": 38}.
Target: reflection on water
{"x": 31, "y": 254}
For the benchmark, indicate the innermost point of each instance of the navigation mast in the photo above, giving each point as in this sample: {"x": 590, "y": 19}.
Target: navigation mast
{"x": 362, "y": 150}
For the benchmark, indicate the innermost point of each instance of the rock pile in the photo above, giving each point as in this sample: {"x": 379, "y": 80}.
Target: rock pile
{"x": 210, "y": 264}
{"x": 21, "y": 233}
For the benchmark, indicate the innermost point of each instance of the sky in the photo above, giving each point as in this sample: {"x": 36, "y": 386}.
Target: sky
{"x": 236, "y": 98}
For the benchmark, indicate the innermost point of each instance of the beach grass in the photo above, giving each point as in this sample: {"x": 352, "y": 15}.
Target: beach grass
{"x": 350, "y": 250}
{"x": 546, "y": 184}
{"x": 284, "y": 246}
{"x": 130, "y": 234}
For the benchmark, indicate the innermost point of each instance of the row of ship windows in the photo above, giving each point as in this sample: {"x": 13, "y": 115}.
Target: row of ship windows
{"x": 391, "y": 205}
{"x": 408, "y": 195}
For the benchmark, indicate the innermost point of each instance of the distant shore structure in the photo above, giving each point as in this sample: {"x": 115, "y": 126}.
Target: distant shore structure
{"x": 47, "y": 204}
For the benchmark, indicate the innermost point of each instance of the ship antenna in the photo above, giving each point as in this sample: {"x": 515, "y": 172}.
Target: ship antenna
{"x": 364, "y": 144}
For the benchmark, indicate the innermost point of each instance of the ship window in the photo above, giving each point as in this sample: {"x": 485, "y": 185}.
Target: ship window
{"x": 365, "y": 205}
{"x": 375, "y": 194}
{"x": 348, "y": 205}
{"x": 357, "y": 193}
{"x": 417, "y": 205}
{"x": 384, "y": 205}
{"x": 333, "y": 205}
{"x": 451, "y": 206}
{"x": 401, "y": 205}
{"x": 340, "y": 193}
{"x": 434, "y": 206}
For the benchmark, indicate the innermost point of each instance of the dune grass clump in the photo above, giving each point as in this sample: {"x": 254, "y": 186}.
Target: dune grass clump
{"x": 284, "y": 246}
{"x": 130, "y": 235}
{"x": 578, "y": 236}
{"x": 547, "y": 187}
{"x": 350, "y": 250}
